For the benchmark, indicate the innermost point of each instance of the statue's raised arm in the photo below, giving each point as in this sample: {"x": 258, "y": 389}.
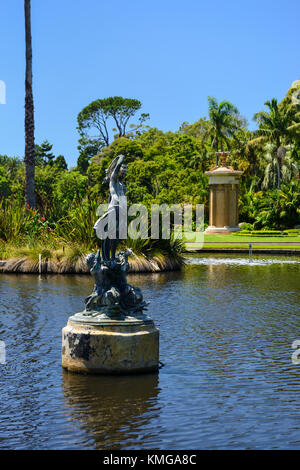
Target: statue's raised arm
{"x": 116, "y": 166}
{"x": 116, "y": 186}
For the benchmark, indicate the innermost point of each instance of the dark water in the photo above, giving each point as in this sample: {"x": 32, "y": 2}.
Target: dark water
{"x": 228, "y": 382}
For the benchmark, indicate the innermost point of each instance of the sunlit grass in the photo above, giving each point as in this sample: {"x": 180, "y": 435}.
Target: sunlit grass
{"x": 213, "y": 238}
{"x": 195, "y": 246}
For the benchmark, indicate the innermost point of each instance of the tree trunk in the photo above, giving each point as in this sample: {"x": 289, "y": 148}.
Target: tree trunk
{"x": 217, "y": 149}
{"x": 278, "y": 174}
{"x": 29, "y": 157}
{"x": 280, "y": 153}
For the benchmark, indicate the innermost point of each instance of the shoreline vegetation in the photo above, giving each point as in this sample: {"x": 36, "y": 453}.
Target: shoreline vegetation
{"x": 71, "y": 260}
{"x": 55, "y": 255}
{"x": 137, "y": 264}
{"x": 30, "y": 243}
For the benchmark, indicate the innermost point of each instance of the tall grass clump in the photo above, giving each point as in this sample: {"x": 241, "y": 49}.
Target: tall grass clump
{"x": 15, "y": 221}
{"x": 78, "y": 225}
{"x": 63, "y": 244}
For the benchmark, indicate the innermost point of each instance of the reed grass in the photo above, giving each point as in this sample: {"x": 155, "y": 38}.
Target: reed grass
{"x": 71, "y": 259}
{"x": 63, "y": 244}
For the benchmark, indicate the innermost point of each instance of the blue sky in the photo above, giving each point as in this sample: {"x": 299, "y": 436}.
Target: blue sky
{"x": 169, "y": 54}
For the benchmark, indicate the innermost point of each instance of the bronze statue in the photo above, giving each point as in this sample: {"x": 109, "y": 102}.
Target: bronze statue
{"x": 114, "y": 174}
{"x": 112, "y": 294}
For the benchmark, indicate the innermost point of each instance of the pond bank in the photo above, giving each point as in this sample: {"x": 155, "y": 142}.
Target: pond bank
{"x": 137, "y": 264}
{"x": 255, "y": 250}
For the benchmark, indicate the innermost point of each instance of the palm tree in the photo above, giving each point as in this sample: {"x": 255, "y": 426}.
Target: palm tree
{"x": 223, "y": 122}
{"x": 29, "y": 157}
{"x": 12, "y": 166}
{"x": 275, "y": 127}
{"x": 288, "y": 167}
{"x": 246, "y": 154}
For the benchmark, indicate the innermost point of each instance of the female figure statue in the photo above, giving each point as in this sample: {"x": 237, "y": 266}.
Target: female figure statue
{"x": 114, "y": 174}
{"x": 112, "y": 294}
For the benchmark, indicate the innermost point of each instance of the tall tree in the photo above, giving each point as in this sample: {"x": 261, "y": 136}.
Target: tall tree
{"x": 96, "y": 117}
{"x": 97, "y": 114}
{"x": 278, "y": 126}
{"x": 43, "y": 154}
{"x": 121, "y": 110}
{"x": 60, "y": 163}
{"x": 224, "y": 122}
{"x": 88, "y": 148}
{"x": 29, "y": 157}
{"x": 288, "y": 167}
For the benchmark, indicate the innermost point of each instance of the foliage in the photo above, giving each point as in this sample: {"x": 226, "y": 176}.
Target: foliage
{"x": 96, "y": 116}
{"x": 262, "y": 233}
{"x": 278, "y": 126}
{"x": 43, "y": 154}
{"x": 18, "y": 223}
{"x": 163, "y": 167}
{"x": 224, "y": 122}
{"x": 69, "y": 187}
{"x": 87, "y": 149}
{"x": 288, "y": 168}
{"x": 60, "y": 163}
{"x": 5, "y": 184}
{"x": 77, "y": 226}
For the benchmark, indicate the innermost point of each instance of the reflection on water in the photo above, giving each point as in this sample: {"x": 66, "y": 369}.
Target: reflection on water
{"x": 114, "y": 411}
{"x": 226, "y": 332}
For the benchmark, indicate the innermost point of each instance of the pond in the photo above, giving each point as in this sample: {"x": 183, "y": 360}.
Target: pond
{"x": 228, "y": 381}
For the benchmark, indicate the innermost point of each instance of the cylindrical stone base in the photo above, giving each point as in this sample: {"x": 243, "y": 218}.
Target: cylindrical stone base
{"x": 106, "y": 346}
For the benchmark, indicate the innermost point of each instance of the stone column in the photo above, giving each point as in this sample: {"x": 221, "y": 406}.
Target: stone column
{"x": 99, "y": 345}
{"x": 223, "y": 207}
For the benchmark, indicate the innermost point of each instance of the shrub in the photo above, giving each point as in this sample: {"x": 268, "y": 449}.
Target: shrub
{"x": 263, "y": 233}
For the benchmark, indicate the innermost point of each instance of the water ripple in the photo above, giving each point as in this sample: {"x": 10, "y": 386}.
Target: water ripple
{"x": 226, "y": 329}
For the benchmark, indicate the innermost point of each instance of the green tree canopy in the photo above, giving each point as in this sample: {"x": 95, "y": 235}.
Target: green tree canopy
{"x": 43, "y": 153}
{"x": 93, "y": 125}
{"x": 224, "y": 122}
{"x": 96, "y": 116}
{"x": 60, "y": 163}
{"x": 277, "y": 126}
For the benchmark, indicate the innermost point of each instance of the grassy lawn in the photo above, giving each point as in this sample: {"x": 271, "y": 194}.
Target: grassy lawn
{"x": 213, "y": 238}
{"x": 237, "y": 247}
{"x": 220, "y": 241}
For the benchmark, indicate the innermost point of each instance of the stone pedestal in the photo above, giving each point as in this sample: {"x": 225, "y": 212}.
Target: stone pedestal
{"x": 223, "y": 205}
{"x": 101, "y": 344}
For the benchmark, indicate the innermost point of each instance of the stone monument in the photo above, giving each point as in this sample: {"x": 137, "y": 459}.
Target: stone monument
{"x": 113, "y": 335}
{"x": 223, "y": 204}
